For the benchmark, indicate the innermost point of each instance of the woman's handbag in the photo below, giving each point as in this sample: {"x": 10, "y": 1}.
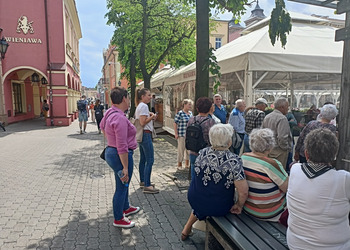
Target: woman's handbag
{"x": 102, "y": 155}
{"x": 139, "y": 130}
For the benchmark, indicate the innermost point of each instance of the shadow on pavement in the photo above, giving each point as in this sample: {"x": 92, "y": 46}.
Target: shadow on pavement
{"x": 25, "y": 126}
{"x": 94, "y": 136}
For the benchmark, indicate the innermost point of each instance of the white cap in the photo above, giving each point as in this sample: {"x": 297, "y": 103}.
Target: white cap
{"x": 261, "y": 100}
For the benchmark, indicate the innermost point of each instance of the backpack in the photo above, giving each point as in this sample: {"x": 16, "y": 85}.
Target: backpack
{"x": 194, "y": 136}
{"x": 98, "y": 113}
{"x": 81, "y": 105}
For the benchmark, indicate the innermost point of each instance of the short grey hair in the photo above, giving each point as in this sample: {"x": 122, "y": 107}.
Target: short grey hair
{"x": 261, "y": 140}
{"x": 239, "y": 102}
{"x": 321, "y": 145}
{"x": 280, "y": 102}
{"x": 217, "y": 95}
{"x": 329, "y": 112}
{"x": 220, "y": 135}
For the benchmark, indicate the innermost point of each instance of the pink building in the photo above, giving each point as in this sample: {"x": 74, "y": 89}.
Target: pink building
{"x": 42, "y": 60}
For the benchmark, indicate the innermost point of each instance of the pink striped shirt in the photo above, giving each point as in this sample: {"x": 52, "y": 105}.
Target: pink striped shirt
{"x": 120, "y": 132}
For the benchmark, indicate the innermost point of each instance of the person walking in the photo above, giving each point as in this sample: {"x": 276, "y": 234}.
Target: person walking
{"x": 180, "y": 124}
{"x": 98, "y": 109}
{"x": 237, "y": 121}
{"x": 83, "y": 113}
{"x": 146, "y": 119}
{"x": 45, "y": 109}
{"x": 278, "y": 123}
{"x": 121, "y": 139}
{"x": 91, "y": 107}
{"x": 254, "y": 118}
{"x": 220, "y": 111}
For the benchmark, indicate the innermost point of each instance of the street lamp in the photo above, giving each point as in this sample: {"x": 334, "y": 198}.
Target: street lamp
{"x": 43, "y": 81}
{"x": 3, "y": 46}
{"x": 35, "y": 77}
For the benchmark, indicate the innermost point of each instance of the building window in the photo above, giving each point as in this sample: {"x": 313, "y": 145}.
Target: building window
{"x": 17, "y": 98}
{"x": 217, "y": 43}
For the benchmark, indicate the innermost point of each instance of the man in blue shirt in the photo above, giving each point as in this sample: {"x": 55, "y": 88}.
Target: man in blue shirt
{"x": 238, "y": 122}
{"x": 220, "y": 111}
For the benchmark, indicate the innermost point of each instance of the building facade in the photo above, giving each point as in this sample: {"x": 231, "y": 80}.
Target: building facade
{"x": 111, "y": 70}
{"x": 42, "y": 61}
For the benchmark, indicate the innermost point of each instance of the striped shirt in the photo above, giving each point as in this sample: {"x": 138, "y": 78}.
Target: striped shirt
{"x": 181, "y": 120}
{"x": 264, "y": 176}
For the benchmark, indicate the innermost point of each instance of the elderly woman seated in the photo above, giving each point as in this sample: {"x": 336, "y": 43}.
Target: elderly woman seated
{"x": 266, "y": 177}
{"x": 318, "y": 197}
{"x": 217, "y": 173}
{"x": 328, "y": 113}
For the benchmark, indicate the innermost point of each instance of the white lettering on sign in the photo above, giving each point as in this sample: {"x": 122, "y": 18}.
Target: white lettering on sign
{"x": 23, "y": 40}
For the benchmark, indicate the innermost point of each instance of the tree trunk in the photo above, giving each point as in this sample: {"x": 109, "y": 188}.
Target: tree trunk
{"x": 343, "y": 158}
{"x": 202, "y": 61}
{"x": 132, "y": 81}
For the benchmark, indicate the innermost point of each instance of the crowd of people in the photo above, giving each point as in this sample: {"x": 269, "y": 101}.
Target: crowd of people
{"x": 308, "y": 195}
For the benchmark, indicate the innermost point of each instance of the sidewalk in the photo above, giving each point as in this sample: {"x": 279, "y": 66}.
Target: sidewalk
{"x": 56, "y": 193}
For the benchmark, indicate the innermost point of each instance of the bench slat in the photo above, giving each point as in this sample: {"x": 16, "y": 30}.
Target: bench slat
{"x": 262, "y": 230}
{"x": 275, "y": 230}
{"x": 239, "y": 239}
{"x": 237, "y": 224}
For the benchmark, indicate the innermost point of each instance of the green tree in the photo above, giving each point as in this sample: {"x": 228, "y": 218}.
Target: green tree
{"x": 205, "y": 62}
{"x": 153, "y": 32}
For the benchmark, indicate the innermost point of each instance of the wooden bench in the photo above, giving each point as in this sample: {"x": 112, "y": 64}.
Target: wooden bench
{"x": 244, "y": 232}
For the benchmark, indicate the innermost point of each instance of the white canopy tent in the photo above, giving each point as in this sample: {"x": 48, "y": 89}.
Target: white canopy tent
{"x": 311, "y": 55}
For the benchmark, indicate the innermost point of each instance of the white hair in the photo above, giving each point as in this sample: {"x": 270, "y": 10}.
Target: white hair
{"x": 329, "y": 112}
{"x": 217, "y": 95}
{"x": 261, "y": 140}
{"x": 239, "y": 102}
{"x": 280, "y": 102}
{"x": 220, "y": 135}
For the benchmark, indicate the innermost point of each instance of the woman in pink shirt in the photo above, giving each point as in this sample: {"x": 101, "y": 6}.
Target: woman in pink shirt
{"x": 121, "y": 137}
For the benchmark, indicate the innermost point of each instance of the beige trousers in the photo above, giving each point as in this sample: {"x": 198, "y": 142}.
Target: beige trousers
{"x": 280, "y": 155}
{"x": 182, "y": 152}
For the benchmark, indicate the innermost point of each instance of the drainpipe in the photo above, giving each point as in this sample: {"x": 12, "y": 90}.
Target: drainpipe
{"x": 49, "y": 62}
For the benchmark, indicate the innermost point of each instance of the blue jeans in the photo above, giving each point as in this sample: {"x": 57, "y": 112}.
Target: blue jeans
{"x": 238, "y": 150}
{"x": 121, "y": 194}
{"x": 146, "y": 159}
{"x": 192, "y": 161}
{"x": 246, "y": 144}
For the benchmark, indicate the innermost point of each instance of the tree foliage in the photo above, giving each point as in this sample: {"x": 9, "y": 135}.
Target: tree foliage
{"x": 160, "y": 31}
{"x": 280, "y": 23}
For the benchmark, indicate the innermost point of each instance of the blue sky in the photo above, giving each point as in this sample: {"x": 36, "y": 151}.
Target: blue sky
{"x": 97, "y": 34}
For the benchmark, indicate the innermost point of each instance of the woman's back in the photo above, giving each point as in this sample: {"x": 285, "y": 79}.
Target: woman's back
{"x": 318, "y": 210}
{"x": 211, "y": 192}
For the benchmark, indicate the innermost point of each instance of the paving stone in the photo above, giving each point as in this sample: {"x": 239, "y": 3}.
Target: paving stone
{"x": 58, "y": 205}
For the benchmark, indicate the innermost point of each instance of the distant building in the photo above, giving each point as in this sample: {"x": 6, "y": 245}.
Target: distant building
{"x": 256, "y": 16}
{"x": 42, "y": 61}
{"x": 90, "y": 93}
{"x": 219, "y": 34}
{"x": 111, "y": 70}
{"x": 234, "y": 29}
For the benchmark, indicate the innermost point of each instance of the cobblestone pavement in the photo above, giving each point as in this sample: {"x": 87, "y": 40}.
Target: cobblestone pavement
{"x": 53, "y": 196}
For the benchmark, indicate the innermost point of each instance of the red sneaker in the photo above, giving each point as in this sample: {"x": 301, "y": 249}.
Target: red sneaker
{"x": 131, "y": 210}
{"x": 123, "y": 223}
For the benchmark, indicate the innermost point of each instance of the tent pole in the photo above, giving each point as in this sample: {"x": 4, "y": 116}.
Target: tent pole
{"x": 248, "y": 91}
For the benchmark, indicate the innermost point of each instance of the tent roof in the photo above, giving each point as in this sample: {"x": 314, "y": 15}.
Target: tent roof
{"x": 310, "y": 48}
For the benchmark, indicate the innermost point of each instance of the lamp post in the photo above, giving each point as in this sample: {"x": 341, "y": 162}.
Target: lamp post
{"x": 3, "y": 49}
